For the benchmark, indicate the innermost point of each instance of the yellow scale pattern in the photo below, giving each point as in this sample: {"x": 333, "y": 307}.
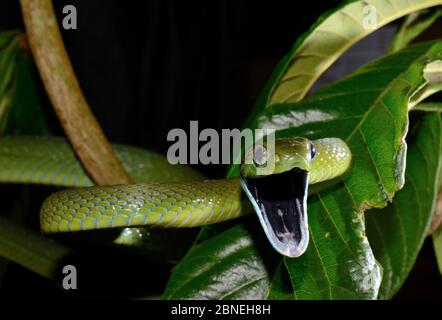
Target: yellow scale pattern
{"x": 333, "y": 158}
{"x": 171, "y": 203}
{"x": 184, "y": 204}
{"x": 51, "y": 161}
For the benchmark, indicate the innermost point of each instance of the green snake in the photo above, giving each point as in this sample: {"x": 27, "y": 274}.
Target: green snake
{"x": 177, "y": 196}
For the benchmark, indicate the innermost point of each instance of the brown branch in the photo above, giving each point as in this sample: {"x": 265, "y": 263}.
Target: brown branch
{"x": 56, "y": 71}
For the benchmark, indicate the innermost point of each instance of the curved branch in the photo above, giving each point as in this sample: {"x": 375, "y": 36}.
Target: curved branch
{"x": 61, "y": 84}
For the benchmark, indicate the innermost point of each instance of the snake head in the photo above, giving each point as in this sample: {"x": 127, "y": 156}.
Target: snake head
{"x": 265, "y": 159}
{"x": 275, "y": 179}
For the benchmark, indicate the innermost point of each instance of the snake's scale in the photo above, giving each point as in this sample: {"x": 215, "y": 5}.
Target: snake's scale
{"x": 175, "y": 196}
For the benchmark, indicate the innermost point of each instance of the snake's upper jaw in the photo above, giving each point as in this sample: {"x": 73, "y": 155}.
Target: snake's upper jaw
{"x": 281, "y": 204}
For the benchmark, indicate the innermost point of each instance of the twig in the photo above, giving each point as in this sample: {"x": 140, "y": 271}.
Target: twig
{"x": 64, "y": 91}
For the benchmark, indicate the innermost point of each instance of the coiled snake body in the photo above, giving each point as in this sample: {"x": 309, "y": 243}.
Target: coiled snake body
{"x": 175, "y": 196}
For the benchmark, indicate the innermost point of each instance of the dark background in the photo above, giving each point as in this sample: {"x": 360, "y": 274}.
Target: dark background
{"x": 149, "y": 66}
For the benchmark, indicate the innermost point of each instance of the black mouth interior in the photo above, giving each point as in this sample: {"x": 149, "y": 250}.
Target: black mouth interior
{"x": 280, "y": 199}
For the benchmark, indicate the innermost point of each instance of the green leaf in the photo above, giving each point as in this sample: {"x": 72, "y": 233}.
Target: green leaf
{"x": 20, "y": 107}
{"x": 8, "y": 55}
{"x": 333, "y": 33}
{"x": 8, "y": 51}
{"x": 26, "y": 116}
{"x": 5, "y": 103}
{"x": 374, "y": 128}
{"x": 225, "y": 266}
{"x": 412, "y": 26}
{"x": 369, "y": 110}
{"x": 437, "y": 243}
{"x": 397, "y": 232}
{"x": 20, "y": 110}
{"x": 338, "y": 263}
{"x": 281, "y": 287}
{"x": 29, "y": 249}
{"x": 358, "y": 108}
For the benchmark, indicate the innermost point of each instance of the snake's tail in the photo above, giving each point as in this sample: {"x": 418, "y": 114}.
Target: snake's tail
{"x": 30, "y": 250}
{"x": 51, "y": 161}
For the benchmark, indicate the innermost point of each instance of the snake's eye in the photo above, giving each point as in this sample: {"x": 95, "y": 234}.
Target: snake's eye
{"x": 312, "y": 151}
{"x": 260, "y": 156}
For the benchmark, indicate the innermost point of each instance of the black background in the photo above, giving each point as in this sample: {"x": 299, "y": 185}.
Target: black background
{"x": 149, "y": 66}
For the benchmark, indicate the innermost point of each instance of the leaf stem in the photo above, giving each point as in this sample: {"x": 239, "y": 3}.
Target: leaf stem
{"x": 437, "y": 217}
{"x": 61, "y": 84}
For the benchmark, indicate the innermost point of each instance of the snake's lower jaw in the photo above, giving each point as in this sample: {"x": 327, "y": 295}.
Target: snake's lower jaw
{"x": 281, "y": 204}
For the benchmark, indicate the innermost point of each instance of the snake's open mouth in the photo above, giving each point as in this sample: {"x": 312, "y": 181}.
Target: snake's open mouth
{"x": 280, "y": 201}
